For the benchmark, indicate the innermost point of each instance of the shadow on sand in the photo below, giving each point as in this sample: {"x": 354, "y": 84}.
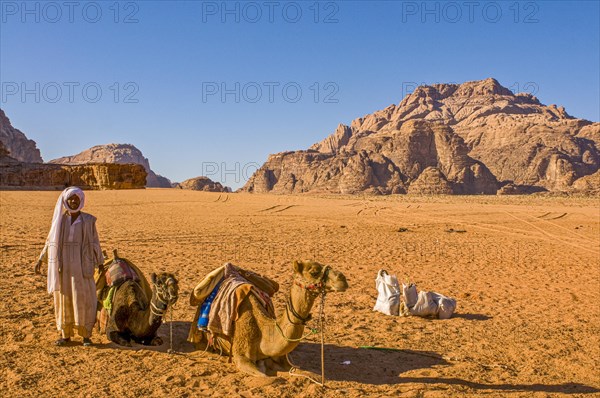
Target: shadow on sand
{"x": 367, "y": 366}
{"x": 378, "y": 367}
{"x": 472, "y": 317}
{"x": 180, "y": 343}
{"x": 564, "y": 388}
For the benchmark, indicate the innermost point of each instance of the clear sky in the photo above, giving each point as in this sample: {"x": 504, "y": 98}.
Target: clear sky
{"x": 213, "y": 88}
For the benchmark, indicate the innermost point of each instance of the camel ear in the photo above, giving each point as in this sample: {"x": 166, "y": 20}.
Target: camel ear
{"x": 153, "y": 277}
{"x": 298, "y": 266}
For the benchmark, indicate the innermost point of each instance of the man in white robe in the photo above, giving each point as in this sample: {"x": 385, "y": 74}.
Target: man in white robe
{"x": 72, "y": 252}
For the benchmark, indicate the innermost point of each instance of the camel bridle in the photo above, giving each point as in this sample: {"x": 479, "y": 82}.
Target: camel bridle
{"x": 314, "y": 290}
{"x": 163, "y": 298}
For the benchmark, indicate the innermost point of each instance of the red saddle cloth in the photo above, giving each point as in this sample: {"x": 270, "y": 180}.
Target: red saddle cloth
{"x": 119, "y": 272}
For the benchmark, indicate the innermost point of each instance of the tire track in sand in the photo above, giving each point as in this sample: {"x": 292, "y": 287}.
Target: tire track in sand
{"x": 553, "y": 237}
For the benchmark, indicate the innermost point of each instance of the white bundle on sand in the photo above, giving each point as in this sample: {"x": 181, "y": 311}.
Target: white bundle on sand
{"x": 425, "y": 303}
{"x": 388, "y": 298}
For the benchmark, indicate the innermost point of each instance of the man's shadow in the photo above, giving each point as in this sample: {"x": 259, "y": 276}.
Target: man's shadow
{"x": 381, "y": 366}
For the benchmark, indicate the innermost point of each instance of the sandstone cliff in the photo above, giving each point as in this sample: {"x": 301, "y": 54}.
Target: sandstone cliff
{"x": 18, "y": 145}
{"x": 464, "y": 139}
{"x": 203, "y": 184}
{"x": 116, "y": 153}
{"x": 20, "y": 175}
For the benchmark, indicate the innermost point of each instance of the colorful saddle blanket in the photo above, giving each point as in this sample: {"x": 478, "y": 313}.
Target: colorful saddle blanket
{"x": 119, "y": 271}
{"x": 205, "y": 308}
{"x": 218, "y": 296}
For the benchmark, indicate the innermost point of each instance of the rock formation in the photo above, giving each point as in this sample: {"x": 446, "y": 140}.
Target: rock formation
{"x": 116, "y": 153}
{"x": 18, "y": 146}
{"x": 471, "y": 138}
{"x": 20, "y": 175}
{"x": 589, "y": 184}
{"x": 203, "y": 184}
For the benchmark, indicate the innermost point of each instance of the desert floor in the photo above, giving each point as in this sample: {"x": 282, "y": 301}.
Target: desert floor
{"x": 526, "y": 274}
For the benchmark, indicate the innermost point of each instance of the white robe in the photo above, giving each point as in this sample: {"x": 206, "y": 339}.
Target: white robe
{"x": 75, "y": 301}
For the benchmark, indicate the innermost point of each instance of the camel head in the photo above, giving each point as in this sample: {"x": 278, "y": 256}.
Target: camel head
{"x": 315, "y": 277}
{"x": 166, "y": 287}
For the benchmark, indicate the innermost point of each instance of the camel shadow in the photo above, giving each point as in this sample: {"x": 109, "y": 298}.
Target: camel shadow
{"x": 472, "y": 317}
{"x": 180, "y": 343}
{"x": 367, "y": 366}
{"x": 564, "y": 388}
{"x": 381, "y": 366}
{"x": 180, "y": 334}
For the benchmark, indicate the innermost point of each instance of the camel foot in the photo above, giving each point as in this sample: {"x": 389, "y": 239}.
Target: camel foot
{"x": 156, "y": 341}
{"x": 247, "y": 366}
{"x": 281, "y": 364}
{"x": 271, "y": 367}
{"x": 119, "y": 338}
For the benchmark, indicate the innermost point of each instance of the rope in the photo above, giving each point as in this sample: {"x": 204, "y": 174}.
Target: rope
{"x": 293, "y": 368}
{"x": 312, "y": 331}
{"x": 157, "y": 311}
{"x": 170, "y": 350}
{"x": 322, "y": 322}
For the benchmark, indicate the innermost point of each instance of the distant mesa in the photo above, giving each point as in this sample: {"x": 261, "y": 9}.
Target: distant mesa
{"x": 203, "y": 184}
{"x": 119, "y": 154}
{"x": 473, "y": 138}
{"x": 21, "y": 167}
{"x": 15, "y": 174}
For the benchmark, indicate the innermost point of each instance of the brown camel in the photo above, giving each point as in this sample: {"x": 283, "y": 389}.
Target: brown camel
{"x": 137, "y": 309}
{"x": 261, "y": 343}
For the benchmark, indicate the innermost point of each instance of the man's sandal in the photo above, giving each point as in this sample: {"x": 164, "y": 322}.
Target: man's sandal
{"x": 62, "y": 341}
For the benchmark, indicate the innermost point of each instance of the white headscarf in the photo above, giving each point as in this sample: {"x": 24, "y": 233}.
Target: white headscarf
{"x": 54, "y": 239}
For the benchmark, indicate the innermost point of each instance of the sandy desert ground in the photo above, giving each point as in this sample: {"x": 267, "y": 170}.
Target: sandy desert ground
{"x": 526, "y": 274}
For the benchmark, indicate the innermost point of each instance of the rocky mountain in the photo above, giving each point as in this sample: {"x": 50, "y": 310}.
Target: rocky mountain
{"x": 472, "y": 138}
{"x": 17, "y": 144}
{"x": 203, "y": 184}
{"x": 116, "y": 153}
{"x": 21, "y": 175}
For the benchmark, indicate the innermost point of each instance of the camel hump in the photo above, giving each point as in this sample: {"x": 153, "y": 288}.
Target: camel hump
{"x": 206, "y": 286}
{"x": 120, "y": 271}
{"x": 262, "y": 282}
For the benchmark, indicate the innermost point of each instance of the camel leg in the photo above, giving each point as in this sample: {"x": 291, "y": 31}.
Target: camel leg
{"x": 272, "y": 367}
{"x": 281, "y": 363}
{"x": 247, "y": 366}
{"x": 156, "y": 341}
{"x": 119, "y": 338}
{"x": 114, "y": 335}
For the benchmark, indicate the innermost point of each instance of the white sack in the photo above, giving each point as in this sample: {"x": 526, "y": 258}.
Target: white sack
{"x": 388, "y": 298}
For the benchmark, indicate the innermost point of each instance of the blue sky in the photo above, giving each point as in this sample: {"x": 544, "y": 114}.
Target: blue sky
{"x": 215, "y": 87}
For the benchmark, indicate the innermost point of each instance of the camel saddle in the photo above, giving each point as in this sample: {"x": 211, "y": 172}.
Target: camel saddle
{"x": 262, "y": 287}
{"x": 206, "y": 286}
{"x": 104, "y": 282}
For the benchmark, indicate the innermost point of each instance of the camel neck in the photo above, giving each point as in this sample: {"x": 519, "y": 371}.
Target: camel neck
{"x": 291, "y": 327}
{"x": 157, "y": 309}
{"x": 299, "y": 305}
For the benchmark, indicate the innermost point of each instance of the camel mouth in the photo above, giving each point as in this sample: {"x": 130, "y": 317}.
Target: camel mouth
{"x": 173, "y": 295}
{"x": 340, "y": 286}
{"x": 342, "y": 289}
{"x": 337, "y": 282}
